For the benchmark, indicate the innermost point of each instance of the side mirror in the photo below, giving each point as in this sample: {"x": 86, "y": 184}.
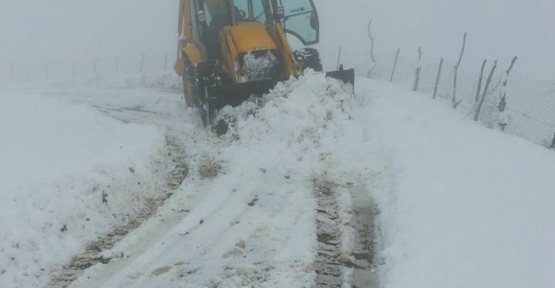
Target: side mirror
{"x": 314, "y": 21}
{"x": 280, "y": 12}
{"x": 201, "y": 18}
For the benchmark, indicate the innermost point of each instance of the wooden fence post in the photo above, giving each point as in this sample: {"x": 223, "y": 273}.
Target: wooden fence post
{"x": 553, "y": 142}
{"x": 480, "y": 80}
{"x": 395, "y": 65}
{"x": 142, "y": 62}
{"x": 418, "y": 70}
{"x": 372, "y": 58}
{"x": 454, "y": 101}
{"x": 438, "y": 78}
{"x": 484, "y": 94}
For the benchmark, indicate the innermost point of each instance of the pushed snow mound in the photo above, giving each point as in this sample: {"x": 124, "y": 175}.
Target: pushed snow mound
{"x": 299, "y": 124}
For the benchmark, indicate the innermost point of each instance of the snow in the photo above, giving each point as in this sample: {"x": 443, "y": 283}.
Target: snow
{"x": 460, "y": 205}
{"x": 57, "y": 161}
{"x": 275, "y": 175}
{"x": 260, "y": 65}
{"x": 471, "y": 207}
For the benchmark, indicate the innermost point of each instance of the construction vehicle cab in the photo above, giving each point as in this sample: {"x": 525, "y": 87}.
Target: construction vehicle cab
{"x": 230, "y": 50}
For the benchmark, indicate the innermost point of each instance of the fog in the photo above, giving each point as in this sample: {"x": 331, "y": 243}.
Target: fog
{"x": 497, "y": 29}
{"x": 58, "y": 32}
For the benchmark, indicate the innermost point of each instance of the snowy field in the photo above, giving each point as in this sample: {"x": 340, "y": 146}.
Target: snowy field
{"x": 458, "y": 205}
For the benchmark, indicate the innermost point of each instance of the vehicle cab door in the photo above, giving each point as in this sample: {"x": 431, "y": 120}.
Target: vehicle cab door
{"x": 301, "y": 20}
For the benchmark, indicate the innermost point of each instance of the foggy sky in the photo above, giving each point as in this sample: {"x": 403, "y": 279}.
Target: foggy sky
{"x": 54, "y": 30}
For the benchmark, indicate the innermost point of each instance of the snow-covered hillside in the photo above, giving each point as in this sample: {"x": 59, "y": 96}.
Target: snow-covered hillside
{"x": 279, "y": 199}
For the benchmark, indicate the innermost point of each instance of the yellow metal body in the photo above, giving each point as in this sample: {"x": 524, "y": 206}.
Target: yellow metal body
{"x": 249, "y": 36}
{"x": 233, "y": 41}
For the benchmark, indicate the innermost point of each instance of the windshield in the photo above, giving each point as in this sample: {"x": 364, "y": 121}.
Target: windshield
{"x": 252, "y": 10}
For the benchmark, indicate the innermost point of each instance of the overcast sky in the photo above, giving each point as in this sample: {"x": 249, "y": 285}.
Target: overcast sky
{"x": 34, "y": 31}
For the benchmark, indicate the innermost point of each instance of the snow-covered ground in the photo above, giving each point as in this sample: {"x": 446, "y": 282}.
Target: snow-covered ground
{"x": 68, "y": 174}
{"x": 468, "y": 207}
{"x": 459, "y": 205}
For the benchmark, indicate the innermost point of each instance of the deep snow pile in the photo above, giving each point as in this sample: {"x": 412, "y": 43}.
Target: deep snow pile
{"x": 467, "y": 207}
{"x": 67, "y": 175}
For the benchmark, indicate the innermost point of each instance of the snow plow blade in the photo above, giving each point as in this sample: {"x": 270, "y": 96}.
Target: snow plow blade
{"x": 347, "y": 76}
{"x": 236, "y": 94}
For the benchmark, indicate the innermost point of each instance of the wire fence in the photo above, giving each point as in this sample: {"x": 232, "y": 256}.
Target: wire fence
{"x": 84, "y": 68}
{"x": 528, "y": 110}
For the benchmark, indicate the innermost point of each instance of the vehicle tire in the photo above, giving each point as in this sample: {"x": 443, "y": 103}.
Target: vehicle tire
{"x": 309, "y": 58}
{"x": 208, "y": 84}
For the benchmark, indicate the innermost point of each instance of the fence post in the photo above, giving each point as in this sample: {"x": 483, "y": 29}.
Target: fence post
{"x": 438, "y": 77}
{"x": 142, "y": 62}
{"x": 418, "y": 70}
{"x": 372, "y": 58}
{"x": 454, "y": 101}
{"x": 395, "y": 65}
{"x": 488, "y": 82}
{"x": 480, "y": 81}
{"x": 553, "y": 143}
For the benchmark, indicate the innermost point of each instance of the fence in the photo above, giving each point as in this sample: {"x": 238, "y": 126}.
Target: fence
{"x": 528, "y": 111}
{"x": 50, "y": 69}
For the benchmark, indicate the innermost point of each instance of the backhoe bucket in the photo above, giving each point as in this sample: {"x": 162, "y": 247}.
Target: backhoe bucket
{"x": 347, "y": 76}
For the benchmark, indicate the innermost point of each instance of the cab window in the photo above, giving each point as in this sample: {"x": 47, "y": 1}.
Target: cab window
{"x": 252, "y": 10}
{"x": 301, "y": 20}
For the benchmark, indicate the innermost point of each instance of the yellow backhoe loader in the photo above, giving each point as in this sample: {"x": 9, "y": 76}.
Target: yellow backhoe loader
{"x": 230, "y": 50}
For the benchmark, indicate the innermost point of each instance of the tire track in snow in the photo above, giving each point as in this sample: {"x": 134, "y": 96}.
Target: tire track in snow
{"x": 329, "y": 259}
{"x": 331, "y": 262}
{"x": 92, "y": 254}
{"x": 364, "y": 257}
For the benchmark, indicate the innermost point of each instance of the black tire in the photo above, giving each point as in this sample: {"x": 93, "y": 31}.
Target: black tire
{"x": 208, "y": 85}
{"x": 309, "y": 58}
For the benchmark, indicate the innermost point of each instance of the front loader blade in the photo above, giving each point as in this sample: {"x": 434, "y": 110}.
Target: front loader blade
{"x": 347, "y": 76}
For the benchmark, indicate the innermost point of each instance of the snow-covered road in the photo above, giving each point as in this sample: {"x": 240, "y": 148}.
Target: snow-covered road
{"x": 247, "y": 215}
{"x": 316, "y": 188}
